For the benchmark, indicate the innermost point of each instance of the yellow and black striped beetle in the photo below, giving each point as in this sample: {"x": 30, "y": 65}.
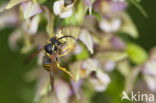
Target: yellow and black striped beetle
{"x": 52, "y": 52}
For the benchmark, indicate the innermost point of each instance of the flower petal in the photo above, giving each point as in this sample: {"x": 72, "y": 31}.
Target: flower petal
{"x": 62, "y": 91}
{"x": 5, "y": 19}
{"x": 101, "y": 82}
{"x": 151, "y": 82}
{"x": 30, "y": 9}
{"x": 111, "y": 55}
{"x": 66, "y": 14}
{"x": 14, "y": 38}
{"x": 42, "y": 85}
{"x": 124, "y": 67}
{"x": 13, "y": 3}
{"x": 31, "y": 26}
{"x": 117, "y": 43}
{"x": 76, "y": 86}
{"x": 75, "y": 69}
{"x": 87, "y": 39}
{"x": 131, "y": 78}
{"x": 90, "y": 64}
{"x": 89, "y": 4}
{"x": 60, "y": 9}
{"x": 57, "y": 7}
{"x": 128, "y": 26}
{"x": 118, "y": 6}
{"x": 111, "y": 25}
{"x": 150, "y": 68}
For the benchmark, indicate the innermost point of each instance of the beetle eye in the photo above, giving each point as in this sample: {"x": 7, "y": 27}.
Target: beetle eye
{"x": 54, "y": 41}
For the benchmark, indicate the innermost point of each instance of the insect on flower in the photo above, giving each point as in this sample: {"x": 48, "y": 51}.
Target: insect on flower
{"x": 52, "y": 52}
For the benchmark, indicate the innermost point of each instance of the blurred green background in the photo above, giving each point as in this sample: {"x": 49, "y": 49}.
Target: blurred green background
{"x": 13, "y": 88}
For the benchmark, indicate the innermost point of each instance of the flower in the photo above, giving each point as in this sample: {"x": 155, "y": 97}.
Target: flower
{"x": 100, "y": 81}
{"x": 149, "y": 71}
{"x": 110, "y": 25}
{"x": 97, "y": 47}
{"x": 29, "y": 7}
{"x": 5, "y": 19}
{"x": 62, "y": 10}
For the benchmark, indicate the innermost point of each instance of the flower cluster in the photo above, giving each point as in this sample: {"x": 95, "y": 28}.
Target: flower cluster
{"x": 100, "y": 26}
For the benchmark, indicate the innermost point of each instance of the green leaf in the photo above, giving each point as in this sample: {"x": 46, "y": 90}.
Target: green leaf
{"x": 136, "y": 53}
{"x": 139, "y": 7}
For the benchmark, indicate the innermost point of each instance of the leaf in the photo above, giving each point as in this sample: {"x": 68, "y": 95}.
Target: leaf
{"x": 12, "y": 3}
{"x": 87, "y": 39}
{"x": 139, "y": 7}
{"x": 128, "y": 26}
{"x": 136, "y": 53}
{"x": 30, "y": 9}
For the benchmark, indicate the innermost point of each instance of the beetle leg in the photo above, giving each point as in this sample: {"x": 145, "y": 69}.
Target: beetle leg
{"x": 68, "y": 50}
{"x": 65, "y": 70}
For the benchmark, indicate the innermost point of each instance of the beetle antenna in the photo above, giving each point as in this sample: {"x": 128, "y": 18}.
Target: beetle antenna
{"x": 67, "y": 36}
{"x": 57, "y": 26}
